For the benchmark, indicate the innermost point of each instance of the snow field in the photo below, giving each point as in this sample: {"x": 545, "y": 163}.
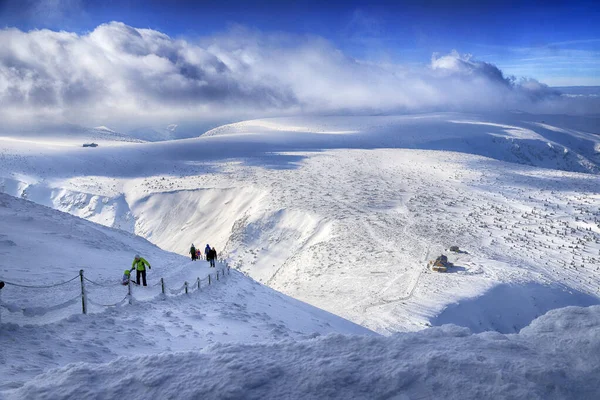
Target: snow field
{"x": 380, "y": 215}
{"x": 351, "y": 231}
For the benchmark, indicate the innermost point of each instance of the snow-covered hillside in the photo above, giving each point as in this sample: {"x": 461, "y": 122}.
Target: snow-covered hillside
{"x": 68, "y": 136}
{"x": 345, "y": 212}
{"x": 104, "y": 134}
{"x": 239, "y": 339}
{"x": 41, "y": 246}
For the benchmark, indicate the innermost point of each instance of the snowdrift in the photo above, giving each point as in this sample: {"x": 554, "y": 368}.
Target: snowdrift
{"x": 556, "y": 357}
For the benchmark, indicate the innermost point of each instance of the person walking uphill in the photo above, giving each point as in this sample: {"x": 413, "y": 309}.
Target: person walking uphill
{"x": 193, "y": 252}
{"x": 213, "y": 256}
{"x": 139, "y": 264}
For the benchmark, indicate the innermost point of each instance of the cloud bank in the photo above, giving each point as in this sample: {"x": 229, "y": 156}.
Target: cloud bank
{"x": 119, "y": 76}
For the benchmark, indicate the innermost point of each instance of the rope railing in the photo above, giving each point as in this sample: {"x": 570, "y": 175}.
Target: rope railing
{"x": 41, "y": 286}
{"x": 177, "y": 291}
{"x": 98, "y": 284}
{"x": 186, "y": 288}
{"x": 38, "y": 311}
{"x": 109, "y": 305}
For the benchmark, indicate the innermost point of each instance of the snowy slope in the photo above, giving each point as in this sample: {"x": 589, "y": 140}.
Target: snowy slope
{"x": 344, "y": 212}
{"x": 105, "y": 134}
{"x": 154, "y": 134}
{"x": 41, "y": 246}
{"x": 557, "y": 357}
{"x": 544, "y": 141}
{"x": 69, "y": 136}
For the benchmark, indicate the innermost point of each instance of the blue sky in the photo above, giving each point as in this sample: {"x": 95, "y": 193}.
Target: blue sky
{"x": 557, "y": 42}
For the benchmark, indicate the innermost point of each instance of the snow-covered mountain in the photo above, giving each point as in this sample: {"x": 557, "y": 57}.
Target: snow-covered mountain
{"x": 345, "y": 212}
{"x": 342, "y": 213}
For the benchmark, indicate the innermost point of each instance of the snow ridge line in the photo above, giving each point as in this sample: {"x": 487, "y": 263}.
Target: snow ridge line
{"x": 39, "y": 311}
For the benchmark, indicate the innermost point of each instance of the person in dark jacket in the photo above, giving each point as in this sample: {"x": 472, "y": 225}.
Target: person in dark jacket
{"x": 193, "y": 252}
{"x": 214, "y": 254}
{"x": 213, "y": 257}
{"x": 209, "y": 256}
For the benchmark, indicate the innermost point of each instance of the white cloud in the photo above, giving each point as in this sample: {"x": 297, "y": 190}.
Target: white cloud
{"x": 118, "y": 75}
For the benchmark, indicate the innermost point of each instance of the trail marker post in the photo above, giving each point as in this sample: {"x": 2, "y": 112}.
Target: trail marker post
{"x": 162, "y": 285}
{"x": 186, "y": 287}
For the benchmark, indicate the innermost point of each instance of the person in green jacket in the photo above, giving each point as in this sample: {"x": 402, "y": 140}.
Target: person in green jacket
{"x": 139, "y": 264}
{"x": 126, "y": 277}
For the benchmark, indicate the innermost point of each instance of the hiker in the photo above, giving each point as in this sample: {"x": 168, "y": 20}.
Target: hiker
{"x": 208, "y": 254}
{"x": 193, "y": 252}
{"x": 213, "y": 257}
{"x": 198, "y": 254}
{"x": 206, "y": 251}
{"x": 140, "y": 266}
{"x": 214, "y": 251}
{"x": 126, "y": 277}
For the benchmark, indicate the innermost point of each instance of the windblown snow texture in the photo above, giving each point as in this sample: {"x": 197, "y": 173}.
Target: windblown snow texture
{"x": 557, "y": 357}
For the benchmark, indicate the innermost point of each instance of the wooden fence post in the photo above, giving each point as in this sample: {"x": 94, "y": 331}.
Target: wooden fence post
{"x": 129, "y": 292}
{"x": 83, "y": 305}
{"x": 162, "y": 285}
{"x": 198, "y": 283}
{"x": 209, "y": 279}
{"x": 186, "y": 287}
{"x": 1, "y": 286}
{"x": 217, "y": 275}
